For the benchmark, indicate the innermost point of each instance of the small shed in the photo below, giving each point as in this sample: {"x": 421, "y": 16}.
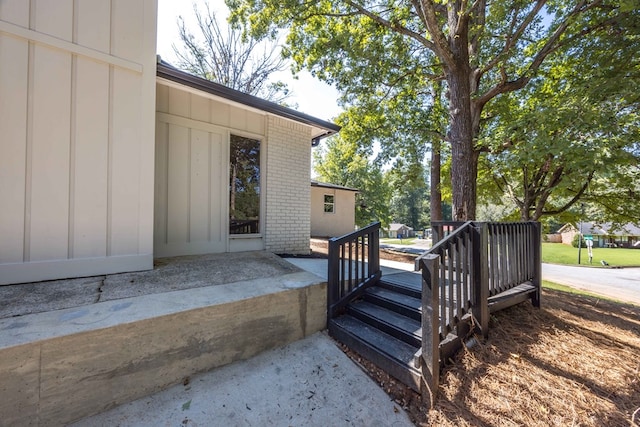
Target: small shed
{"x": 333, "y": 209}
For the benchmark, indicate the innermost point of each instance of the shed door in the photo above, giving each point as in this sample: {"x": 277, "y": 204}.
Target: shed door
{"x": 190, "y": 196}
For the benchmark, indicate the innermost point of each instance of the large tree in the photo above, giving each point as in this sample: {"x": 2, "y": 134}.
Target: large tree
{"x": 572, "y": 135}
{"x": 221, "y": 53}
{"x": 390, "y": 48}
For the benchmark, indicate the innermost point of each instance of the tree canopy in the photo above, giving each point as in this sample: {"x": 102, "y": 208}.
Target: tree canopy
{"x": 572, "y": 135}
{"x": 341, "y": 162}
{"x": 391, "y": 52}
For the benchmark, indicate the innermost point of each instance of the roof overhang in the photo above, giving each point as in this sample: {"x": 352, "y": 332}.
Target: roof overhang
{"x": 171, "y": 76}
{"x": 332, "y": 186}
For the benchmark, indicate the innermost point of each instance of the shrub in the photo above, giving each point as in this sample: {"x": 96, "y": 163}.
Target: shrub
{"x": 574, "y": 242}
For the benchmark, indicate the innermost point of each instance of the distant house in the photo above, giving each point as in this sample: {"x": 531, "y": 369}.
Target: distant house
{"x": 333, "y": 209}
{"x": 604, "y": 235}
{"x": 394, "y": 230}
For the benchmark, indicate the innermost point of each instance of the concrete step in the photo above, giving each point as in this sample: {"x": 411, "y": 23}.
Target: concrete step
{"x": 60, "y": 366}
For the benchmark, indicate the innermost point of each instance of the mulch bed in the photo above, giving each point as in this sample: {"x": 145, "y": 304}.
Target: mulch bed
{"x": 574, "y": 362}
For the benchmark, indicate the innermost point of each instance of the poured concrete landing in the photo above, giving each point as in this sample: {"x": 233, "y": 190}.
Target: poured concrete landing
{"x": 168, "y": 274}
{"x": 59, "y": 366}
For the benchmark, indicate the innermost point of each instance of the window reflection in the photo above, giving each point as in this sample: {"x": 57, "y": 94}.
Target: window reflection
{"x": 244, "y": 185}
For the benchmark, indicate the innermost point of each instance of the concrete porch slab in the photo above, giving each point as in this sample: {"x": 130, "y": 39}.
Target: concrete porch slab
{"x": 62, "y": 365}
{"x": 168, "y": 274}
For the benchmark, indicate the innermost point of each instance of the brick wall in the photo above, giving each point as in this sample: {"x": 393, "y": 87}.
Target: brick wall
{"x": 288, "y": 193}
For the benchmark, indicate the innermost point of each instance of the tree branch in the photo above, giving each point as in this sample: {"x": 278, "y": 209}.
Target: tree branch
{"x": 550, "y": 45}
{"x": 392, "y": 26}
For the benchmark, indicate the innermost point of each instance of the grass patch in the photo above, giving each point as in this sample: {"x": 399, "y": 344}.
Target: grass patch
{"x": 569, "y": 290}
{"x": 557, "y": 253}
{"x": 407, "y": 241}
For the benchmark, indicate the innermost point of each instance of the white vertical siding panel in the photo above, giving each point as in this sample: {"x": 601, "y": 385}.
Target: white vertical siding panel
{"x": 162, "y": 98}
{"x": 91, "y": 159}
{"x": 178, "y": 185}
{"x": 94, "y": 24}
{"x": 54, "y": 17}
{"x": 219, "y": 183}
{"x": 146, "y": 147}
{"x": 162, "y": 171}
{"x": 15, "y": 11}
{"x": 125, "y": 162}
{"x": 255, "y": 122}
{"x": 199, "y": 188}
{"x": 14, "y": 57}
{"x": 50, "y": 155}
{"x": 179, "y": 102}
{"x": 220, "y": 113}
{"x": 200, "y": 108}
{"x": 237, "y": 118}
{"x": 127, "y": 30}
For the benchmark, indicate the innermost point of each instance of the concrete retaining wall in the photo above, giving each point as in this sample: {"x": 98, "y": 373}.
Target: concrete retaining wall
{"x": 58, "y": 379}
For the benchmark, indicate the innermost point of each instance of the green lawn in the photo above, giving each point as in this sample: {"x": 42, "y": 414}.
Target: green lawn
{"x": 557, "y": 253}
{"x": 407, "y": 241}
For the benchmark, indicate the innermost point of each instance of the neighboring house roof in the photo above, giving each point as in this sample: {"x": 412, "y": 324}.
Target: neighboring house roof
{"x": 606, "y": 229}
{"x": 315, "y": 183}
{"x": 395, "y": 227}
{"x": 322, "y": 128}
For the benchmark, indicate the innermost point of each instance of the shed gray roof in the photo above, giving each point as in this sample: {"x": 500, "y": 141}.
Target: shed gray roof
{"x": 315, "y": 183}
{"x": 167, "y": 71}
{"x": 394, "y": 226}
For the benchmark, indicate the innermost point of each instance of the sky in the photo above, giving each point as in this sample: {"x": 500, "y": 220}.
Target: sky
{"x": 312, "y": 96}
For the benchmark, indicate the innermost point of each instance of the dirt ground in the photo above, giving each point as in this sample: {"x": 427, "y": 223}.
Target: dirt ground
{"x": 574, "y": 362}
{"x": 319, "y": 248}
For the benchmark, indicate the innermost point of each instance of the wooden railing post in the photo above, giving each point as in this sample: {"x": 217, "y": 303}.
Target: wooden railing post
{"x": 481, "y": 276}
{"x": 374, "y": 251}
{"x": 332, "y": 277}
{"x": 536, "y": 230}
{"x": 430, "y": 326}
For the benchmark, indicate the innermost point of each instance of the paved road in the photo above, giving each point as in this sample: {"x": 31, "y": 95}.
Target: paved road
{"x": 619, "y": 283}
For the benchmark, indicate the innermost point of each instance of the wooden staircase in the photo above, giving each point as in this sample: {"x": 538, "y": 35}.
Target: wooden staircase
{"x": 410, "y": 323}
{"x": 384, "y": 326}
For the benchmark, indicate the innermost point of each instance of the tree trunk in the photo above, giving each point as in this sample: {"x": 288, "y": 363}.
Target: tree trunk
{"x": 464, "y": 159}
{"x": 435, "y": 200}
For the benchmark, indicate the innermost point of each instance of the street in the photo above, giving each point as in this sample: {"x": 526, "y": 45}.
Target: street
{"x": 619, "y": 283}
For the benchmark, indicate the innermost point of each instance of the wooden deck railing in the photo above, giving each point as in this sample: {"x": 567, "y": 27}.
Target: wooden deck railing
{"x": 353, "y": 265}
{"x": 472, "y": 263}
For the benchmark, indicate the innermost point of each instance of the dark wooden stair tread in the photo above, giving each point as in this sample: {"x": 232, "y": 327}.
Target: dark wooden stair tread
{"x": 401, "y": 303}
{"x": 395, "y": 324}
{"x": 408, "y": 283}
{"x": 394, "y": 356}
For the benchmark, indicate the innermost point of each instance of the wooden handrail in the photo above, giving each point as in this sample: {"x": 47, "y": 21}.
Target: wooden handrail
{"x": 353, "y": 266}
{"x": 461, "y": 272}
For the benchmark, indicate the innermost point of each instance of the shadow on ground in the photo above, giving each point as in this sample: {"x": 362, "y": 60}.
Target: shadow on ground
{"x": 573, "y": 362}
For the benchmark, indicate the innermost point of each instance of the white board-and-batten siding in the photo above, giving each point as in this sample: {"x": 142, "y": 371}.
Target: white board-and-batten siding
{"x": 192, "y": 175}
{"x": 77, "y": 90}
{"x": 192, "y": 171}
